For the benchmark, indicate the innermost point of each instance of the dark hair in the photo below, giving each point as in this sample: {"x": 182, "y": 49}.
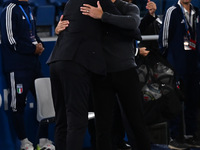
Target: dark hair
{"x": 130, "y": 1}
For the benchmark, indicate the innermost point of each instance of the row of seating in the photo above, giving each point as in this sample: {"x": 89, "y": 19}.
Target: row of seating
{"x": 47, "y": 12}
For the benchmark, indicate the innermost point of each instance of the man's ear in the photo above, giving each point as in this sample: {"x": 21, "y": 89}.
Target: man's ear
{"x": 113, "y": 1}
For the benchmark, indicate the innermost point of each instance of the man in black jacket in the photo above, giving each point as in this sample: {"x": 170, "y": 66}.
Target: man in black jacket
{"x": 122, "y": 79}
{"x": 77, "y": 56}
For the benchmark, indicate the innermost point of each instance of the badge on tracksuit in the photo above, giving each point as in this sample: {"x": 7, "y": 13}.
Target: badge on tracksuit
{"x": 32, "y": 36}
{"x": 19, "y": 88}
{"x": 189, "y": 43}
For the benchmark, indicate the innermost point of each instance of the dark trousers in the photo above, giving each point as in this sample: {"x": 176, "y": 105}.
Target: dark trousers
{"x": 71, "y": 89}
{"x": 188, "y": 124}
{"x": 126, "y": 85}
{"x": 118, "y": 130}
{"x": 24, "y": 80}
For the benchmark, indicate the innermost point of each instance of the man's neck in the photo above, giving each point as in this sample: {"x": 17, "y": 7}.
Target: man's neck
{"x": 186, "y": 6}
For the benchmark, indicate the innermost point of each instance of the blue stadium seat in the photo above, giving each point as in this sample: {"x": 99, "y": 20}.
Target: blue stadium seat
{"x": 37, "y": 3}
{"x": 59, "y": 8}
{"x": 59, "y": 4}
{"x": 159, "y": 6}
{"x": 196, "y": 3}
{"x": 2, "y": 2}
{"x": 63, "y": 1}
{"x": 55, "y": 2}
{"x": 167, "y": 4}
{"x": 45, "y": 16}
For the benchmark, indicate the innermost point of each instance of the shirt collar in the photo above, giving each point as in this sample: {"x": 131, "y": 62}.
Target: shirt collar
{"x": 185, "y": 11}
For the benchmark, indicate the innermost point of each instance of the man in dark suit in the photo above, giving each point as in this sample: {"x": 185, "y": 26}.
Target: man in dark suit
{"x": 122, "y": 78}
{"x": 77, "y": 56}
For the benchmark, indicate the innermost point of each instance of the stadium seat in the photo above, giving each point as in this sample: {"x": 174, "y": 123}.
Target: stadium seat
{"x": 45, "y": 17}
{"x": 45, "y": 108}
{"x": 196, "y": 3}
{"x": 55, "y": 2}
{"x": 159, "y": 6}
{"x": 3, "y": 1}
{"x": 167, "y": 4}
{"x": 63, "y": 1}
{"x": 37, "y": 3}
{"x": 59, "y": 5}
{"x": 159, "y": 133}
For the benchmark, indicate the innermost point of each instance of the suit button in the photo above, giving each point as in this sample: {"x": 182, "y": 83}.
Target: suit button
{"x": 93, "y": 52}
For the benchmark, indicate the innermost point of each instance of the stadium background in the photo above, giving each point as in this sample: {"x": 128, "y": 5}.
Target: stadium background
{"x": 8, "y": 139}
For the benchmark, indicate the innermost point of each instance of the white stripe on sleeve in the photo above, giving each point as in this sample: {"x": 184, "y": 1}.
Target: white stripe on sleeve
{"x": 9, "y": 23}
{"x": 166, "y": 26}
{"x": 13, "y": 91}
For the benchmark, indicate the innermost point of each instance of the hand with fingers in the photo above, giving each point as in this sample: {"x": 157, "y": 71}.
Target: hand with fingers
{"x": 39, "y": 49}
{"x": 94, "y": 12}
{"x": 143, "y": 51}
{"x": 62, "y": 25}
{"x": 151, "y": 6}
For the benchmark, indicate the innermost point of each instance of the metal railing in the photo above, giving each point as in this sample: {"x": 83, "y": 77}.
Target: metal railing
{"x": 149, "y": 37}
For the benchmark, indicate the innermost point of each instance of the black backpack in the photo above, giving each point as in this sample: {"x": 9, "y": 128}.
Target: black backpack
{"x": 161, "y": 97}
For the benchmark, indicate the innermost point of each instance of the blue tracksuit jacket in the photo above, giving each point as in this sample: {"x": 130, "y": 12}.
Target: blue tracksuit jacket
{"x": 171, "y": 40}
{"x": 17, "y": 48}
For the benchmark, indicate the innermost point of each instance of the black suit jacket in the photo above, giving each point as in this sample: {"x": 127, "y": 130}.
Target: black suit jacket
{"x": 81, "y": 42}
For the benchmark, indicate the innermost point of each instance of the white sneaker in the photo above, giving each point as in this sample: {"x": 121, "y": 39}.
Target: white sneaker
{"x": 27, "y": 146}
{"x": 47, "y": 146}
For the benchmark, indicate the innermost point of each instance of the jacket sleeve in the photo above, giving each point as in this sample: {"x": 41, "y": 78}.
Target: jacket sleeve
{"x": 109, "y": 7}
{"x": 134, "y": 33}
{"x": 166, "y": 30}
{"x": 123, "y": 22}
{"x": 23, "y": 46}
{"x": 131, "y": 20}
{"x": 146, "y": 20}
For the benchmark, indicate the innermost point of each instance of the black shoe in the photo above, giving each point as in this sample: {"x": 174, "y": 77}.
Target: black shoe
{"x": 124, "y": 146}
{"x": 193, "y": 142}
{"x": 173, "y": 144}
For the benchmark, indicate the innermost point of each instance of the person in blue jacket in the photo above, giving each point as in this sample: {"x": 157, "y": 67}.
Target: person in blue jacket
{"x": 179, "y": 41}
{"x": 21, "y": 48}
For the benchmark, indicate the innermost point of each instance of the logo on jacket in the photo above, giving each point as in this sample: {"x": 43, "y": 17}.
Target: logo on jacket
{"x": 197, "y": 20}
{"x": 19, "y": 88}
{"x": 183, "y": 21}
{"x": 31, "y": 17}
